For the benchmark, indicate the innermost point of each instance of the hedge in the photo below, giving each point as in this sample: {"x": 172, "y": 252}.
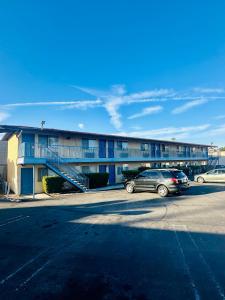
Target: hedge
{"x": 52, "y": 184}
{"x": 142, "y": 168}
{"x": 97, "y": 180}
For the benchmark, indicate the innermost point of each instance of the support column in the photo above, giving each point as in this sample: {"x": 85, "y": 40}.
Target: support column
{"x": 33, "y": 182}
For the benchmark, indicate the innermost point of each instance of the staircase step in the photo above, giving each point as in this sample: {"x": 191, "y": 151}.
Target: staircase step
{"x": 68, "y": 177}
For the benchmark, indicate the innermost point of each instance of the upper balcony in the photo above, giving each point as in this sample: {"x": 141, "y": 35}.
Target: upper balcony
{"x": 39, "y": 154}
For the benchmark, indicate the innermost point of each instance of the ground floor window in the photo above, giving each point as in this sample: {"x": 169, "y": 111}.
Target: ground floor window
{"x": 42, "y": 172}
{"x": 121, "y": 168}
{"x": 85, "y": 169}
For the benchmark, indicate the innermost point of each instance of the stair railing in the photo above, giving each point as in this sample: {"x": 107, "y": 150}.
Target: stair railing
{"x": 57, "y": 161}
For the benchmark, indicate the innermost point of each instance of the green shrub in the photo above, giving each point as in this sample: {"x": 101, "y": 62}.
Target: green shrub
{"x": 129, "y": 174}
{"x": 97, "y": 180}
{"x": 52, "y": 184}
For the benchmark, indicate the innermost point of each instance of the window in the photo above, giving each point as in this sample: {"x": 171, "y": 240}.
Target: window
{"x": 166, "y": 174}
{"x": 86, "y": 143}
{"x": 213, "y": 172}
{"x": 121, "y": 168}
{"x": 122, "y": 145}
{"x": 41, "y": 173}
{"x": 149, "y": 174}
{"x": 153, "y": 174}
{"x": 178, "y": 174}
{"x": 53, "y": 140}
{"x": 163, "y": 147}
{"x": 85, "y": 169}
{"x": 144, "y": 147}
{"x": 221, "y": 171}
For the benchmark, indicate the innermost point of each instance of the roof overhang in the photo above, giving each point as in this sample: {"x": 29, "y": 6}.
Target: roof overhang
{"x": 9, "y": 130}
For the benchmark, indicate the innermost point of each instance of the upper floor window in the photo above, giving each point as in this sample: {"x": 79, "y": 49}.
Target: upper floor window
{"x": 163, "y": 147}
{"x": 88, "y": 143}
{"x": 144, "y": 147}
{"x": 53, "y": 140}
{"x": 122, "y": 145}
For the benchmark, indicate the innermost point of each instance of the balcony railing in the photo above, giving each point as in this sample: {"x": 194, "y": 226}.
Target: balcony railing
{"x": 27, "y": 150}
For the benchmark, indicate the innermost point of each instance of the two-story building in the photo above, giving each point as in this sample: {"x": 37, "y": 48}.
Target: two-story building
{"x": 35, "y": 152}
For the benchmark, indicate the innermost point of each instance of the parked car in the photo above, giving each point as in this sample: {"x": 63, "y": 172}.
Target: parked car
{"x": 216, "y": 175}
{"x": 163, "y": 181}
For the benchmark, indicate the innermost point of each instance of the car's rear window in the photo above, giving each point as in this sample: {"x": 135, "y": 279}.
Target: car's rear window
{"x": 178, "y": 174}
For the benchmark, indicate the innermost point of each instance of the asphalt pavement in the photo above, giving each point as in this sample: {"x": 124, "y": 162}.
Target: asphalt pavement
{"x": 114, "y": 245}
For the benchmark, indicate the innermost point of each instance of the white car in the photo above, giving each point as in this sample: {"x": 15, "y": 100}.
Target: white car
{"x": 216, "y": 175}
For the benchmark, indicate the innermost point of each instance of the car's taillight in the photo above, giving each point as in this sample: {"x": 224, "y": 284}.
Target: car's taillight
{"x": 174, "y": 180}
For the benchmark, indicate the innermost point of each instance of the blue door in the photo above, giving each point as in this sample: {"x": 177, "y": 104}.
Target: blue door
{"x": 26, "y": 181}
{"x": 112, "y": 174}
{"x": 152, "y": 150}
{"x": 28, "y": 139}
{"x": 102, "y": 148}
{"x": 111, "y": 149}
{"x": 158, "y": 152}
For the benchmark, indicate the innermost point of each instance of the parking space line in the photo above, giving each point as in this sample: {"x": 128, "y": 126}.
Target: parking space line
{"x": 14, "y": 220}
{"x": 188, "y": 271}
{"x": 33, "y": 274}
{"x": 22, "y": 267}
{"x": 45, "y": 264}
{"x": 207, "y": 266}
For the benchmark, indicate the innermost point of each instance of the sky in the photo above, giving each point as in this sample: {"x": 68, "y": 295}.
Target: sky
{"x": 146, "y": 68}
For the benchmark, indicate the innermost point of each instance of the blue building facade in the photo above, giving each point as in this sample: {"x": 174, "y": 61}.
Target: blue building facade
{"x": 75, "y": 153}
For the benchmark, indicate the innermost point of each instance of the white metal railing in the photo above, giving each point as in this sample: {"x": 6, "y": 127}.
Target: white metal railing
{"x": 76, "y": 152}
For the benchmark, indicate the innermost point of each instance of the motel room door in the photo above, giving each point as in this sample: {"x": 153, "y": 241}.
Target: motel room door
{"x": 112, "y": 174}
{"x": 26, "y": 181}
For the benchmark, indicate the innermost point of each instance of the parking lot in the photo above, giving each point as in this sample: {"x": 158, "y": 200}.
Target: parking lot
{"x": 115, "y": 245}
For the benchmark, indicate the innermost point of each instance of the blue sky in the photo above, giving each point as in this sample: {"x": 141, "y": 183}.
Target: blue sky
{"x": 143, "y": 68}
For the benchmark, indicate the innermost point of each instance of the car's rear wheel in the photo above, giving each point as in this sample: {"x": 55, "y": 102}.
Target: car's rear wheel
{"x": 200, "y": 179}
{"x": 163, "y": 191}
{"x": 130, "y": 188}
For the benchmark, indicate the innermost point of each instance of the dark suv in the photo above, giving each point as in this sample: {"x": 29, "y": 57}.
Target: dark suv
{"x": 163, "y": 181}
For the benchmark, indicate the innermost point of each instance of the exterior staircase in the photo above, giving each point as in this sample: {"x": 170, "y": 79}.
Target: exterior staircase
{"x": 69, "y": 173}
{"x": 213, "y": 162}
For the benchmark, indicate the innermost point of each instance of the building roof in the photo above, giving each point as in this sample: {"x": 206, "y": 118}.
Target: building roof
{"x": 9, "y": 130}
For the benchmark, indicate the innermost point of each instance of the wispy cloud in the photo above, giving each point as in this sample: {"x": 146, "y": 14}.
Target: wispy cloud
{"x": 168, "y": 132}
{"x": 4, "y": 116}
{"x": 208, "y": 90}
{"x": 147, "y": 111}
{"x": 220, "y": 117}
{"x": 70, "y": 104}
{"x": 189, "y": 105}
{"x": 220, "y": 130}
{"x": 81, "y": 125}
{"x": 117, "y": 96}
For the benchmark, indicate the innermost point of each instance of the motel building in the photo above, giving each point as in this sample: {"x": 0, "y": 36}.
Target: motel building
{"x": 35, "y": 152}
